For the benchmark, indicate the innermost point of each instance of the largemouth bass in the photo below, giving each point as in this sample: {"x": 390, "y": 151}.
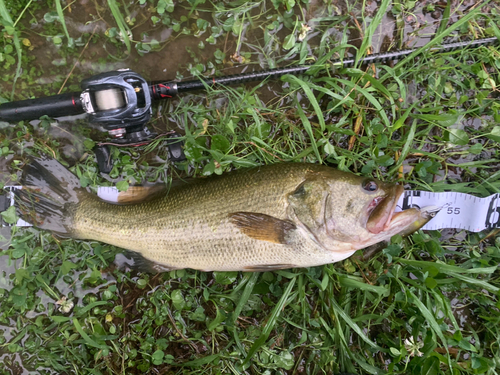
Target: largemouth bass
{"x": 265, "y": 218}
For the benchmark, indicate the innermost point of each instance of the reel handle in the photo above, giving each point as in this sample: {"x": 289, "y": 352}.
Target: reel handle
{"x": 54, "y": 106}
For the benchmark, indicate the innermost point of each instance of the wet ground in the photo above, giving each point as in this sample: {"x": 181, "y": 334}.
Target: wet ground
{"x": 160, "y": 52}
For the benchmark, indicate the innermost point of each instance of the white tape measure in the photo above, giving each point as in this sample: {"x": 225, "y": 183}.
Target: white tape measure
{"x": 458, "y": 210}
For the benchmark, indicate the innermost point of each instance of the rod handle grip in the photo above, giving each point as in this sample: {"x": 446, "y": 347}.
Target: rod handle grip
{"x": 54, "y": 106}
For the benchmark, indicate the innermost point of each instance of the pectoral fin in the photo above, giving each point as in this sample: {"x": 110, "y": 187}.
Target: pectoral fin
{"x": 262, "y": 227}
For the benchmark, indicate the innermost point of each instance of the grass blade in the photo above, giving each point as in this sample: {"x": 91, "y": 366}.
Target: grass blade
{"x": 370, "y": 30}
{"x": 370, "y": 98}
{"x": 252, "y": 280}
{"x": 446, "y": 268}
{"x": 308, "y": 127}
{"x": 409, "y": 141}
{"x": 9, "y": 26}
{"x": 359, "y": 285}
{"x": 312, "y": 98}
{"x": 340, "y": 312}
{"x": 480, "y": 283}
{"x": 428, "y": 316}
{"x": 200, "y": 361}
{"x": 366, "y": 366}
{"x": 86, "y": 337}
{"x": 120, "y": 22}
{"x": 273, "y": 318}
{"x": 63, "y": 22}
{"x": 444, "y": 19}
{"x": 375, "y": 83}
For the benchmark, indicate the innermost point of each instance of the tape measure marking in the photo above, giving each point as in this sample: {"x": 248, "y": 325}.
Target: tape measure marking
{"x": 108, "y": 193}
{"x": 10, "y": 198}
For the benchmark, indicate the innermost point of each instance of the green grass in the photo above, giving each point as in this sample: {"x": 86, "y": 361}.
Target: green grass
{"x": 429, "y": 121}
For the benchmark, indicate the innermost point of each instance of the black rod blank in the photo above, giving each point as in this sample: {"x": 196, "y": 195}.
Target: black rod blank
{"x": 172, "y": 88}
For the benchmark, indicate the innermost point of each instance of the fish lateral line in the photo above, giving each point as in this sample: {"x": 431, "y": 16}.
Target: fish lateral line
{"x": 451, "y": 209}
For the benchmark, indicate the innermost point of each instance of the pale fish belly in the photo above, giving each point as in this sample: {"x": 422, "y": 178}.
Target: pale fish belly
{"x": 227, "y": 249}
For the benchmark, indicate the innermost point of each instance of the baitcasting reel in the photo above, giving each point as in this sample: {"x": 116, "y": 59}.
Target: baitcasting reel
{"x": 119, "y": 101}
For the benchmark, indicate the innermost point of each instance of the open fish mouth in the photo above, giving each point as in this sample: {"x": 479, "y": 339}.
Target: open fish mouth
{"x": 382, "y": 210}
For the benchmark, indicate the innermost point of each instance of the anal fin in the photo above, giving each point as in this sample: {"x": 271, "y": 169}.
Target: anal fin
{"x": 138, "y": 262}
{"x": 262, "y": 227}
{"x": 268, "y": 267}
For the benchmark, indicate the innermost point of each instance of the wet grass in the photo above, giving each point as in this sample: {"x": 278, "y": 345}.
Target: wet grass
{"x": 427, "y": 304}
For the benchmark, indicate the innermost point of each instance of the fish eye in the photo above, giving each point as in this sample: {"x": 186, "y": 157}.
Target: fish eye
{"x": 369, "y": 185}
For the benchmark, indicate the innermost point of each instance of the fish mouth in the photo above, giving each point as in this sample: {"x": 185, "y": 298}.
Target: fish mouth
{"x": 381, "y": 210}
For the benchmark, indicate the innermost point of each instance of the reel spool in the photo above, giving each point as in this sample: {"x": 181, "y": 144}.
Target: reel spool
{"x": 110, "y": 99}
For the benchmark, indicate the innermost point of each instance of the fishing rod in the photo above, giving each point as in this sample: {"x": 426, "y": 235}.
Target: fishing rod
{"x": 121, "y": 100}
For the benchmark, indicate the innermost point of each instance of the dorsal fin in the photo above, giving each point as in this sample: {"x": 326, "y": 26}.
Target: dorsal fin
{"x": 262, "y": 227}
{"x": 137, "y": 194}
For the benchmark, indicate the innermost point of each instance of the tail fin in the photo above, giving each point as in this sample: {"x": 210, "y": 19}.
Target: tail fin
{"x": 49, "y": 196}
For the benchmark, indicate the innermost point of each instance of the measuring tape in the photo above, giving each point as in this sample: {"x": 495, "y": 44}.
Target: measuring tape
{"x": 457, "y": 210}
